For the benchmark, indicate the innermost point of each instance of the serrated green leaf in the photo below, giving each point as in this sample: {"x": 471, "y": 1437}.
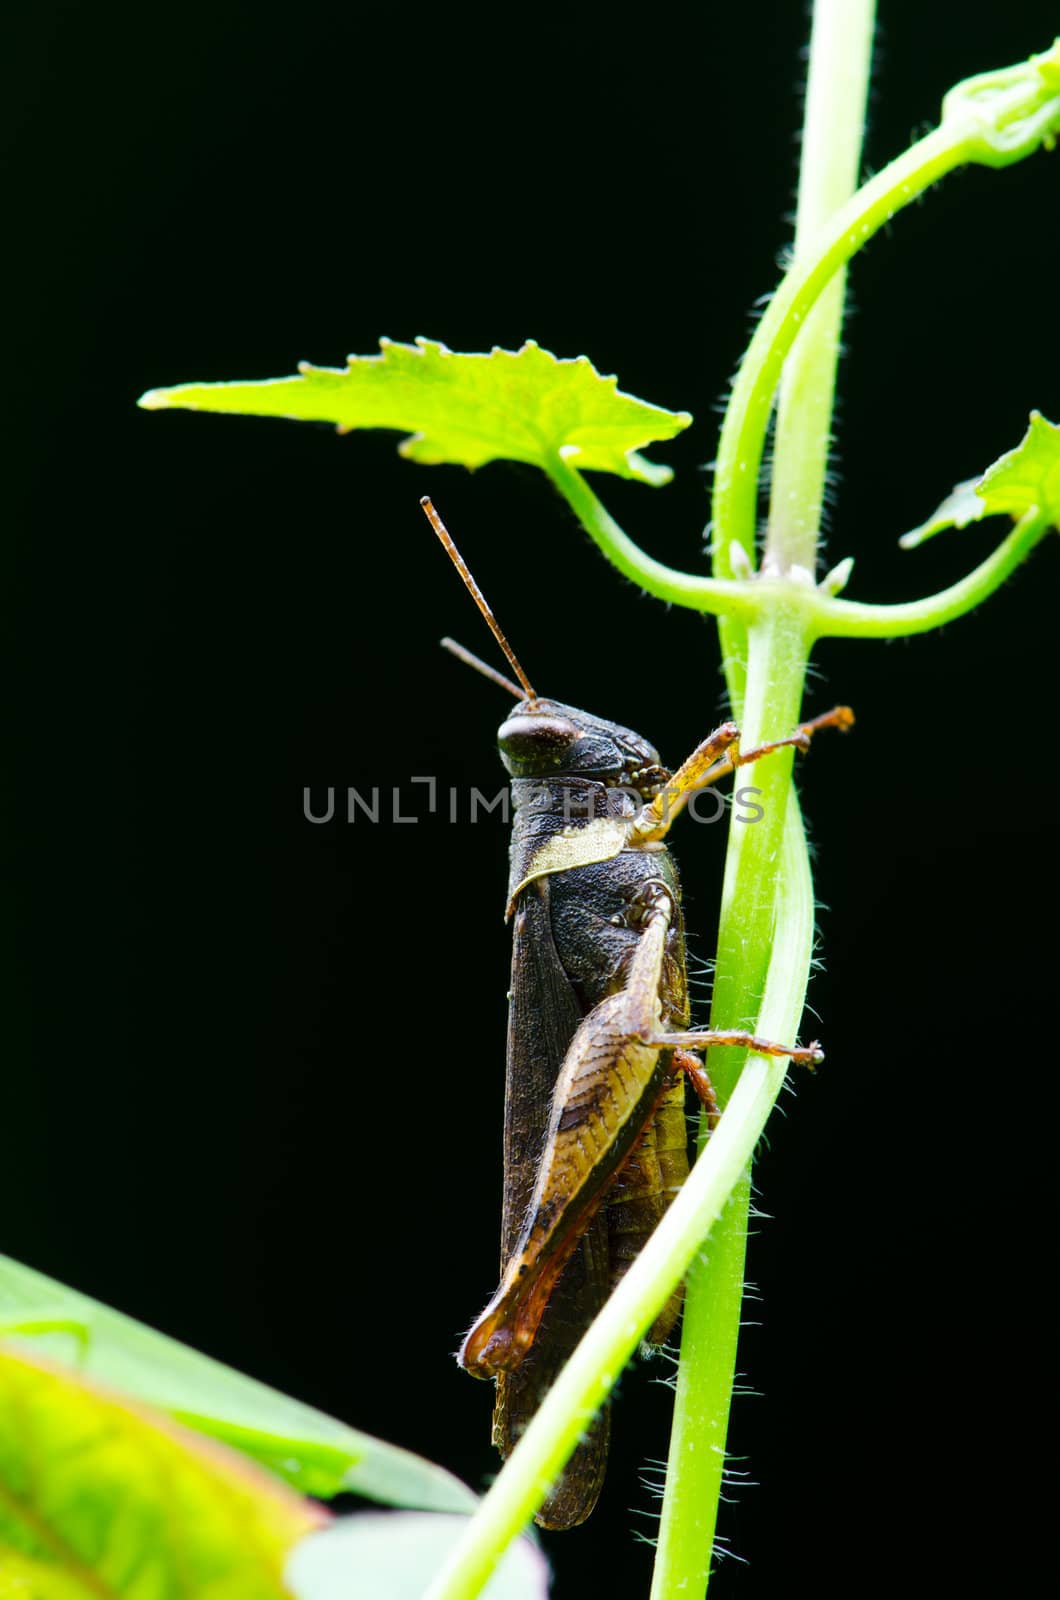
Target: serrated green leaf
{"x": 310, "y": 1450}
{"x": 522, "y": 405}
{"x": 1024, "y": 479}
{"x": 101, "y": 1497}
{"x": 396, "y": 1554}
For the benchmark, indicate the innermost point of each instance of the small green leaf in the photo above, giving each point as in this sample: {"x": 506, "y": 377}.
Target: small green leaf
{"x": 959, "y": 508}
{"x": 101, "y": 1497}
{"x": 521, "y": 405}
{"x": 1024, "y": 479}
{"x": 396, "y": 1554}
{"x": 1028, "y": 476}
{"x": 309, "y": 1449}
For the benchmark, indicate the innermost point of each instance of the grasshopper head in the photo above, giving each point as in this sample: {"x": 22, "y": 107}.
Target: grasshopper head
{"x": 542, "y": 737}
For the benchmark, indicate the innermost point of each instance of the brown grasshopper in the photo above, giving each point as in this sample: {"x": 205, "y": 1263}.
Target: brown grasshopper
{"x": 595, "y": 1138}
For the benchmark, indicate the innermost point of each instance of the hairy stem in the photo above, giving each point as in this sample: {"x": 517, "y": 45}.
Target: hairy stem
{"x": 831, "y": 159}
{"x": 767, "y": 905}
{"x": 715, "y": 595}
{"x": 851, "y": 620}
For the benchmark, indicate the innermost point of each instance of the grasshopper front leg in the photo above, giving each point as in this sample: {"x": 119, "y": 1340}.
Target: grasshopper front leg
{"x": 613, "y": 1076}
{"x": 719, "y": 754}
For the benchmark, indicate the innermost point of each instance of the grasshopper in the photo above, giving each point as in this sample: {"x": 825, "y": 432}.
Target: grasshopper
{"x": 595, "y": 1137}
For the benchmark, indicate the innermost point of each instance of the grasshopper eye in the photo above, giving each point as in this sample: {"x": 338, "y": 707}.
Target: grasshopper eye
{"x": 534, "y": 744}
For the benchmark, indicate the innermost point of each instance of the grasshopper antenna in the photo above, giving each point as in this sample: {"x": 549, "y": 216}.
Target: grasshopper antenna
{"x": 480, "y": 600}
{"x": 487, "y": 671}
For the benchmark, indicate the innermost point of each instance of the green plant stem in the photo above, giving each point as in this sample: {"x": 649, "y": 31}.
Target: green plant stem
{"x": 759, "y": 949}
{"x": 740, "y": 602}
{"x": 788, "y": 586}
{"x": 715, "y": 595}
{"x": 714, "y": 1289}
{"x": 735, "y": 501}
{"x": 765, "y": 930}
{"x": 848, "y": 619}
{"x": 840, "y": 52}
{"x": 996, "y": 119}
{"x": 695, "y": 1467}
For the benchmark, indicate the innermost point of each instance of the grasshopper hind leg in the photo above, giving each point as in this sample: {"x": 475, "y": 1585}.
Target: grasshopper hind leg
{"x": 652, "y": 1175}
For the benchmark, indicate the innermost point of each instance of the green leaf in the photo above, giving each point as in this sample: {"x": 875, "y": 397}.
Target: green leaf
{"x": 311, "y": 1450}
{"x": 521, "y": 405}
{"x": 101, "y": 1497}
{"x": 959, "y": 508}
{"x": 396, "y": 1554}
{"x": 1024, "y": 479}
{"x": 1029, "y": 476}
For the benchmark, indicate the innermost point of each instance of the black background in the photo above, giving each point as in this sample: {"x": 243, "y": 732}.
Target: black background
{"x": 254, "y": 1081}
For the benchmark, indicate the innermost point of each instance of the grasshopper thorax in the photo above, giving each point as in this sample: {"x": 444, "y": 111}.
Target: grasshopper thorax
{"x": 546, "y": 737}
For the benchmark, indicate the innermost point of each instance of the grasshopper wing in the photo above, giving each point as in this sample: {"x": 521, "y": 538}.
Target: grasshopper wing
{"x": 543, "y": 1018}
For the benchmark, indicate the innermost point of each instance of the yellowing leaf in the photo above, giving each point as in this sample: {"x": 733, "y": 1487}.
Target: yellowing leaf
{"x": 100, "y": 1497}
{"x": 522, "y": 405}
{"x": 314, "y": 1452}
